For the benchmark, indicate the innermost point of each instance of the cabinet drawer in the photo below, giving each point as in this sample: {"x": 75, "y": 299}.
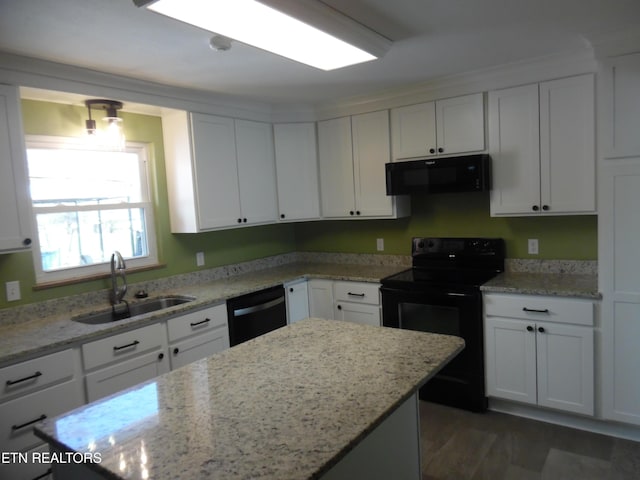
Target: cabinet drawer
{"x": 202, "y": 346}
{"x": 30, "y": 470}
{"x": 197, "y": 322}
{"x": 357, "y": 292}
{"x": 122, "y": 346}
{"x": 35, "y": 374}
{"x": 18, "y": 416}
{"x": 540, "y": 308}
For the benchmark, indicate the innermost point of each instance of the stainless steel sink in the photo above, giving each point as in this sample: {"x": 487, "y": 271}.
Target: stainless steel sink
{"x": 135, "y": 309}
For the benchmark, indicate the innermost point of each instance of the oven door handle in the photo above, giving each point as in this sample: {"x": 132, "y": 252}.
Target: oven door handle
{"x": 456, "y": 294}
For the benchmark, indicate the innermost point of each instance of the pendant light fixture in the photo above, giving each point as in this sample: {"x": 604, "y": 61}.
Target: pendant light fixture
{"x": 307, "y": 31}
{"x": 111, "y": 138}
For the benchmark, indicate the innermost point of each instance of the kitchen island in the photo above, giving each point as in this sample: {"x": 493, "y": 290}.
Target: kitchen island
{"x": 316, "y": 399}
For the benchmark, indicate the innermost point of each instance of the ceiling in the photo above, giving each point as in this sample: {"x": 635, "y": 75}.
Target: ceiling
{"x": 431, "y": 38}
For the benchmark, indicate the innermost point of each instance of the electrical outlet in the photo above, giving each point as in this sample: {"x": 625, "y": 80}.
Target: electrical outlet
{"x": 200, "y": 259}
{"x": 380, "y": 244}
{"x": 532, "y": 246}
{"x": 13, "y": 291}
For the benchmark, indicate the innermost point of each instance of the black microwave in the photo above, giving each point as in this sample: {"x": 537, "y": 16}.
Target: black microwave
{"x": 470, "y": 173}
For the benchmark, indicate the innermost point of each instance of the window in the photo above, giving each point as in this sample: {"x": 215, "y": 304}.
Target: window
{"x": 87, "y": 204}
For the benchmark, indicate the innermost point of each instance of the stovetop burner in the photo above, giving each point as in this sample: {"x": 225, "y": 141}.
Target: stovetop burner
{"x": 450, "y": 263}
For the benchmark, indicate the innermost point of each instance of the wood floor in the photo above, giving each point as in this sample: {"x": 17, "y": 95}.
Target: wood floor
{"x": 460, "y": 445}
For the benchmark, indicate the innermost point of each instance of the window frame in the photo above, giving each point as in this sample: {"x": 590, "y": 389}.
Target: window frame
{"x": 142, "y": 150}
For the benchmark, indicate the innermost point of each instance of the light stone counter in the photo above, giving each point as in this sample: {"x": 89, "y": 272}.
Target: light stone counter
{"x": 44, "y": 328}
{"x": 553, "y": 284}
{"x": 286, "y": 405}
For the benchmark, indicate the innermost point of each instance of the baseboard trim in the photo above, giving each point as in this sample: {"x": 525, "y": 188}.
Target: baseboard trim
{"x": 594, "y": 425}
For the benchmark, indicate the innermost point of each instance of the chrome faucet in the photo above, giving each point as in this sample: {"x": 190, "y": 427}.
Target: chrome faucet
{"x": 118, "y": 269}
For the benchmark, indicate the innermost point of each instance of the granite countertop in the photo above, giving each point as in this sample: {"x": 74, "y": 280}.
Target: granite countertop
{"x": 286, "y": 405}
{"x": 555, "y": 284}
{"x": 45, "y": 332}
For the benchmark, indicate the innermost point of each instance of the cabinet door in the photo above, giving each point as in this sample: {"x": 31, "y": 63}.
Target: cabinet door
{"x": 460, "y": 124}
{"x": 619, "y": 237}
{"x": 622, "y": 106}
{"x": 413, "y": 131}
{"x": 216, "y": 172}
{"x": 297, "y": 171}
{"x": 510, "y": 350}
{"x": 297, "y": 296}
{"x": 15, "y": 204}
{"x": 125, "y": 374}
{"x": 200, "y": 346}
{"x": 567, "y": 145}
{"x": 565, "y": 367}
{"x": 335, "y": 156}
{"x": 256, "y": 172}
{"x": 514, "y": 145}
{"x": 358, "y": 313}
{"x": 370, "y": 153}
{"x": 321, "y": 298}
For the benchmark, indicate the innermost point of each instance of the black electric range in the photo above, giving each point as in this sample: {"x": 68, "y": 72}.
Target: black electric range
{"x": 441, "y": 294}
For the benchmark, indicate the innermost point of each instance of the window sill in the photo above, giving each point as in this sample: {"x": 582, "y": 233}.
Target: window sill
{"x": 88, "y": 278}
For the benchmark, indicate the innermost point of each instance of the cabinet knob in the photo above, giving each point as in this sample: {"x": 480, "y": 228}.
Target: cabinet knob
{"x": 176, "y": 351}
{"x": 440, "y": 149}
{"x": 26, "y": 242}
{"x": 339, "y": 307}
{"x": 160, "y": 356}
{"x": 529, "y": 328}
{"x": 357, "y": 212}
{"x": 535, "y": 208}
{"x": 545, "y": 207}
{"x": 291, "y": 289}
{"x": 282, "y": 215}
{"x": 351, "y": 212}
{"x": 244, "y": 220}
{"x": 432, "y": 150}
{"x": 239, "y": 220}
{"x": 541, "y": 329}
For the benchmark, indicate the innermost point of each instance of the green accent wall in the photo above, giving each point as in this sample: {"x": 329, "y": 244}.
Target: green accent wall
{"x": 565, "y": 237}
{"x": 455, "y": 215}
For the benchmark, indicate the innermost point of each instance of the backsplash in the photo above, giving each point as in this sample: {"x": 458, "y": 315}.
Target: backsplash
{"x": 62, "y": 305}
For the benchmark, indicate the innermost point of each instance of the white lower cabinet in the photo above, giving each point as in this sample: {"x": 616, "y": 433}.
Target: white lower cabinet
{"x": 357, "y": 302}
{"x": 540, "y": 351}
{"x": 320, "y": 298}
{"x": 124, "y": 360}
{"x": 32, "y": 391}
{"x": 197, "y": 335}
{"x": 297, "y": 298}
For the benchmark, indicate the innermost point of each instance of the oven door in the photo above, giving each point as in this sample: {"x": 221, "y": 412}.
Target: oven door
{"x": 461, "y": 382}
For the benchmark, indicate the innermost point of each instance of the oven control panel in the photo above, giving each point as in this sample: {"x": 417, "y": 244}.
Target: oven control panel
{"x": 453, "y": 247}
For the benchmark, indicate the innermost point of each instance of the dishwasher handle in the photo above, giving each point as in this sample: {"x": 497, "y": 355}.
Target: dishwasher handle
{"x": 257, "y": 308}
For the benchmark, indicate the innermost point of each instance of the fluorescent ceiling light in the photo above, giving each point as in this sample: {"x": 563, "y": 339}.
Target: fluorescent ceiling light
{"x": 264, "y": 27}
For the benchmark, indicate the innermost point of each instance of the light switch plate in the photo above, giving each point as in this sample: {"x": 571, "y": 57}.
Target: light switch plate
{"x": 200, "y": 259}
{"x": 13, "y": 291}
{"x": 380, "y": 244}
{"x": 532, "y": 246}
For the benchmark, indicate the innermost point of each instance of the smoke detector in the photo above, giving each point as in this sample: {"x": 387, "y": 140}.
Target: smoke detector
{"x": 220, "y": 43}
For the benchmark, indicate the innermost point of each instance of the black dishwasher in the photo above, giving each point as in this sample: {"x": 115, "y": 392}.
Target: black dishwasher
{"x": 255, "y": 314}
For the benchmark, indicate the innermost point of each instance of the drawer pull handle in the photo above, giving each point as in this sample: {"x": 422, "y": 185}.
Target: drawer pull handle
{"x": 44, "y": 475}
{"x": 132, "y": 344}
{"x": 351, "y": 294}
{"x": 533, "y": 310}
{"x": 201, "y": 322}
{"x": 18, "y": 427}
{"x": 30, "y": 377}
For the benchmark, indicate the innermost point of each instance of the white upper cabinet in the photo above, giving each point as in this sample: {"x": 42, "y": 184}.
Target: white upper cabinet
{"x": 621, "y": 77}
{"x": 352, "y": 154}
{"x": 220, "y": 172}
{"x": 542, "y": 146}
{"x": 444, "y": 127}
{"x": 15, "y": 204}
{"x": 256, "y": 172}
{"x": 297, "y": 171}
